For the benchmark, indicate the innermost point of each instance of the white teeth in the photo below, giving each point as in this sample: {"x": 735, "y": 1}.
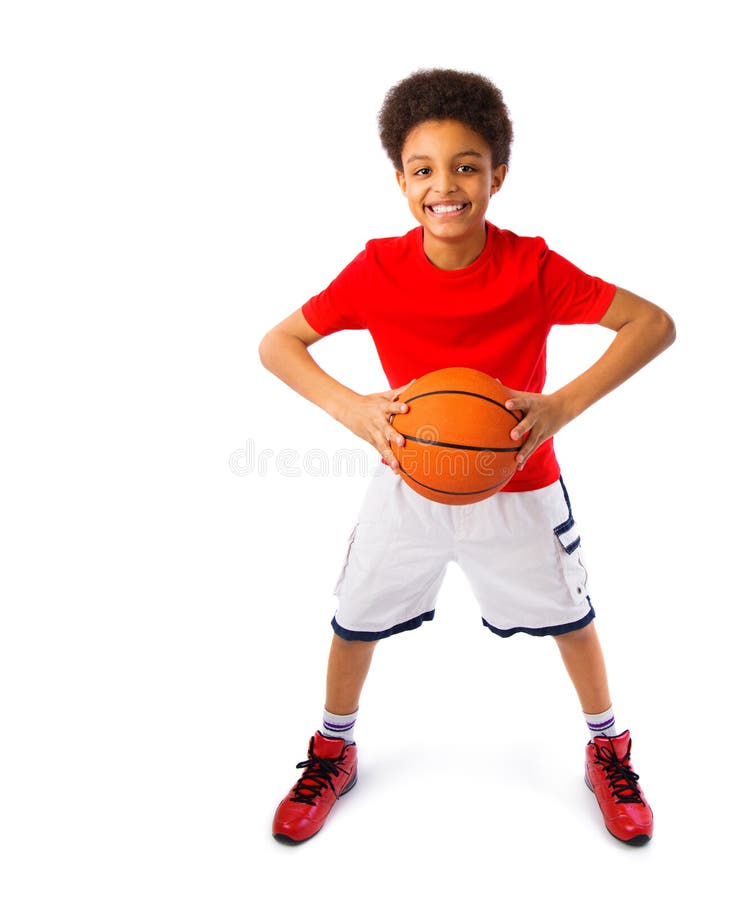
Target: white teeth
{"x": 447, "y": 209}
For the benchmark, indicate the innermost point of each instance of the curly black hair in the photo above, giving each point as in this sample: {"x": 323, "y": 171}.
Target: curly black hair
{"x": 436, "y": 94}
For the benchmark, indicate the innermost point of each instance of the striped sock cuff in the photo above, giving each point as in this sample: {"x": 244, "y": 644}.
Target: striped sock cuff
{"x": 335, "y": 726}
{"x": 601, "y": 724}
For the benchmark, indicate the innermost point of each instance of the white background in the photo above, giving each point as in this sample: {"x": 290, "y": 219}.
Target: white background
{"x": 178, "y": 177}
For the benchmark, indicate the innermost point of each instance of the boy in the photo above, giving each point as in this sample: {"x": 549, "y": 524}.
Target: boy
{"x": 458, "y": 291}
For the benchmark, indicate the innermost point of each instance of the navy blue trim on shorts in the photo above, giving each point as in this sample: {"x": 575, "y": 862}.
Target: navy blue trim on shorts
{"x": 570, "y": 548}
{"x": 549, "y": 630}
{"x": 377, "y": 635}
{"x": 569, "y": 523}
{"x": 567, "y": 496}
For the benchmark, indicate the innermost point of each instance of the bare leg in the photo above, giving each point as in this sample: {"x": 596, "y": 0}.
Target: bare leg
{"x": 583, "y": 659}
{"x": 348, "y": 664}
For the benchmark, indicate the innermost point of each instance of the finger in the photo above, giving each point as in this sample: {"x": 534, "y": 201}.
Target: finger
{"x": 395, "y": 409}
{"x": 391, "y": 461}
{"x": 399, "y": 391}
{"x": 383, "y": 436}
{"x": 388, "y": 456}
{"x": 518, "y": 401}
{"x": 528, "y": 448}
{"x": 394, "y": 437}
{"x": 518, "y": 431}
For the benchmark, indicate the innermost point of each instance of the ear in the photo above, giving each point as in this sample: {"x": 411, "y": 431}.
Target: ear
{"x": 400, "y": 177}
{"x": 499, "y": 174}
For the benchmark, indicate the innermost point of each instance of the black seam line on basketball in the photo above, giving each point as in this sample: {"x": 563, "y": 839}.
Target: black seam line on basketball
{"x": 455, "y": 493}
{"x": 420, "y": 440}
{"x": 466, "y": 394}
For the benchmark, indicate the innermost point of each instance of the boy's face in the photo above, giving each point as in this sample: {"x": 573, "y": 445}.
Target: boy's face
{"x": 448, "y": 179}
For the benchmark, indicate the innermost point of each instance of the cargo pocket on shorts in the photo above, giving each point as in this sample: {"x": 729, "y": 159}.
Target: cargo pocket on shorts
{"x": 573, "y": 567}
{"x": 340, "y": 579}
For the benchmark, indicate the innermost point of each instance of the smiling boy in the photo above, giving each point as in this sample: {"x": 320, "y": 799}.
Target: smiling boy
{"x": 458, "y": 291}
{"x": 451, "y": 206}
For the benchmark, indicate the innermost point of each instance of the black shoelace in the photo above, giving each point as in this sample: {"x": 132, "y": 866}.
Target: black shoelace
{"x": 319, "y": 775}
{"x": 621, "y": 776}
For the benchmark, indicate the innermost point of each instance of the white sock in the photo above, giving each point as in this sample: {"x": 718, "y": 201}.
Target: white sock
{"x": 339, "y": 726}
{"x": 601, "y": 724}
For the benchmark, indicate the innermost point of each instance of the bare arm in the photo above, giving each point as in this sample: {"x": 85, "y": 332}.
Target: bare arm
{"x": 284, "y": 351}
{"x": 643, "y": 331}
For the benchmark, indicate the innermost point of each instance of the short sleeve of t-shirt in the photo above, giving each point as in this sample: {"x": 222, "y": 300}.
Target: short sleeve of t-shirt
{"x": 339, "y": 306}
{"x": 570, "y": 295}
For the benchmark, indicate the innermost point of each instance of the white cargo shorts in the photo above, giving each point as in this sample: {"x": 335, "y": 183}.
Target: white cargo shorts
{"x": 520, "y": 552}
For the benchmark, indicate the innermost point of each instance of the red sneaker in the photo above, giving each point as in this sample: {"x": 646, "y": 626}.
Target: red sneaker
{"x": 609, "y": 775}
{"x": 330, "y": 771}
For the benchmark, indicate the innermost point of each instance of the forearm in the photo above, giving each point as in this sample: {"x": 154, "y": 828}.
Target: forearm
{"x": 635, "y": 344}
{"x": 368, "y": 416}
{"x": 288, "y": 358}
{"x": 643, "y": 331}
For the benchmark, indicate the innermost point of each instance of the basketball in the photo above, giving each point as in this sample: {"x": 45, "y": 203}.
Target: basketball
{"x": 458, "y": 448}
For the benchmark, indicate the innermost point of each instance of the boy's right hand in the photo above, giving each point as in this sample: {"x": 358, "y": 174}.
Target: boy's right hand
{"x": 369, "y": 416}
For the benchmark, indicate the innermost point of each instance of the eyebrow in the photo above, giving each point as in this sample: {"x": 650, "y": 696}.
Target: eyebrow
{"x": 417, "y": 156}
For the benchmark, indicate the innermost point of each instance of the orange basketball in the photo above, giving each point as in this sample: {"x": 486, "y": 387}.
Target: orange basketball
{"x": 457, "y": 430}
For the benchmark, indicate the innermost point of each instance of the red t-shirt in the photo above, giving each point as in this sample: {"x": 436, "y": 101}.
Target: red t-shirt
{"x": 493, "y": 315}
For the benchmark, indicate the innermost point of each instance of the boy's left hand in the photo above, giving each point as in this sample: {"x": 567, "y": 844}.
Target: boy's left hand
{"x": 544, "y": 416}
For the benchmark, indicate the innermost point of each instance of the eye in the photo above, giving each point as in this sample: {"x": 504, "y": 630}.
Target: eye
{"x": 466, "y": 169}
{"x": 422, "y": 171}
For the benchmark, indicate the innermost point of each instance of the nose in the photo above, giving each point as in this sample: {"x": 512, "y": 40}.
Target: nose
{"x": 445, "y": 182}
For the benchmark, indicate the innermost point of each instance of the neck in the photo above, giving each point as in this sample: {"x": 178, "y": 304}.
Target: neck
{"x": 445, "y": 254}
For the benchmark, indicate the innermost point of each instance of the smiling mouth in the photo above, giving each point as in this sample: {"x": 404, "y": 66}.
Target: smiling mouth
{"x": 446, "y": 210}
